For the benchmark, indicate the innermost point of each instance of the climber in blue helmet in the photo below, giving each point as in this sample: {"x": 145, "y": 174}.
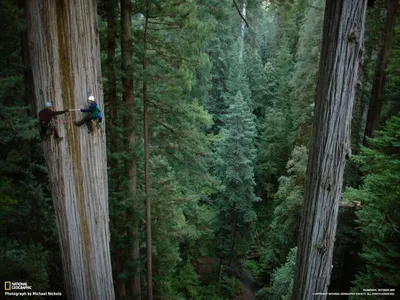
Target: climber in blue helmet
{"x": 93, "y": 114}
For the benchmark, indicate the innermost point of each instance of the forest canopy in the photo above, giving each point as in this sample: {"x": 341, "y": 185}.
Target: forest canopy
{"x": 190, "y": 177}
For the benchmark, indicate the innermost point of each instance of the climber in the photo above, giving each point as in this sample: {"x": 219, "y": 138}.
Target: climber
{"x": 94, "y": 114}
{"x": 45, "y": 117}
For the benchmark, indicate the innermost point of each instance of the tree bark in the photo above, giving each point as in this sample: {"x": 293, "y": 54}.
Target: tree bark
{"x": 376, "y": 102}
{"x": 341, "y": 52}
{"x": 149, "y": 263}
{"x": 65, "y": 56}
{"x": 129, "y": 125}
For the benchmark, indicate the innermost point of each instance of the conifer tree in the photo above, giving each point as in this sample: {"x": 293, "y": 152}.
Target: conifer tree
{"x": 378, "y": 215}
{"x": 221, "y": 15}
{"x": 305, "y": 72}
{"x": 179, "y": 150}
{"x": 235, "y": 203}
{"x": 275, "y": 124}
{"x": 282, "y": 280}
{"x": 256, "y": 79}
{"x": 379, "y": 79}
{"x": 282, "y": 233}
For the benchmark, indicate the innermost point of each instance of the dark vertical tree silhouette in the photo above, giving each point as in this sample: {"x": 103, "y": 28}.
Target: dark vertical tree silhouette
{"x": 149, "y": 264}
{"x": 129, "y": 126}
{"x": 377, "y": 95}
{"x": 111, "y": 97}
{"x": 28, "y": 75}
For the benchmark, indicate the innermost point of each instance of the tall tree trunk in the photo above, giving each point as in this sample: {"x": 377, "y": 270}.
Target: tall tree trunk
{"x": 377, "y": 94}
{"x": 149, "y": 264}
{"x": 111, "y": 46}
{"x": 278, "y": 23}
{"x": 341, "y": 51}
{"x": 233, "y": 233}
{"x": 65, "y": 58}
{"x": 28, "y": 76}
{"x": 242, "y": 30}
{"x": 111, "y": 105}
{"x": 120, "y": 289}
{"x": 129, "y": 125}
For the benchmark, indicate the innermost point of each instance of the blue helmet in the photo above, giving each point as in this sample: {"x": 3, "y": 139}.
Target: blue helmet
{"x": 47, "y": 104}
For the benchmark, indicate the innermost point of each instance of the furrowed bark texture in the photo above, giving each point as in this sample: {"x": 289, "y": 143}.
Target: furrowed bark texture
{"x": 340, "y": 56}
{"x": 65, "y": 56}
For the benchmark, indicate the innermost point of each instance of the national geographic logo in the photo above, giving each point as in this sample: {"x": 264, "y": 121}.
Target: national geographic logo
{"x": 22, "y": 289}
{"x": 11, "y": 286}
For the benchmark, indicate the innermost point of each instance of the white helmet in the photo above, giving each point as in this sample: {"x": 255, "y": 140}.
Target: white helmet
{"x": 47, "y": 105}
{"x": 91, "y": 98}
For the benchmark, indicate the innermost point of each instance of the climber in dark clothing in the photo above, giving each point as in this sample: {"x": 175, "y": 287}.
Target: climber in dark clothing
{"x": 45, "y": 116}
{"x": 94, "y": 113}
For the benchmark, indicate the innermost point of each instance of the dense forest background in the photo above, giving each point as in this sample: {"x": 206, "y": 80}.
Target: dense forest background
{"x": 229, "y": 106}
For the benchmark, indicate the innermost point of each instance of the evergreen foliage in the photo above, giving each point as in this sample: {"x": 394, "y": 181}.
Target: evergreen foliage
{"x": 305, "y": 71}
{"x": 282, "y": 280}
{"x": 235, "y": 202}
{"x": 378, "y": 214}
{"x": 180, "y": 151}
{"x": 220, "y": 15}
{"x": 28, "y": 244}
{"x": 229, "y": 143}
{"x": 282, "y": 232}
{"x": 275, "y": 126}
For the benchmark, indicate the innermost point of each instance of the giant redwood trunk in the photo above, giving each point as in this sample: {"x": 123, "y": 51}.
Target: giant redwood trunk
{"x": 343, "y": 33}
{"x": 65, "y": 56}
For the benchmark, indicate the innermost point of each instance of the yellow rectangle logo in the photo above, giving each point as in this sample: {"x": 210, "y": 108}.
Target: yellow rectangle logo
{"x": 7, "y": 285}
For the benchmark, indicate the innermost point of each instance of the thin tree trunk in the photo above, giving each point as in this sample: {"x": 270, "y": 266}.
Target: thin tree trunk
{"x": 28, "y": 76}
{"x": 149, "y": 264}
{"x": 65, "y": 56}
{"x": 111, "y": 105}
{"x": 376, "y": 102}
{"x": 242, "y": 30}
{"x": 129, "y": 125}
{"x": 341, "y": 52}
{"x": 120, "y": 268}
{"x": 111, "y": 46}
{"x": 363, "y": 121}
{"x": 278, "y": 28}
{"x": 233, "y": 233}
